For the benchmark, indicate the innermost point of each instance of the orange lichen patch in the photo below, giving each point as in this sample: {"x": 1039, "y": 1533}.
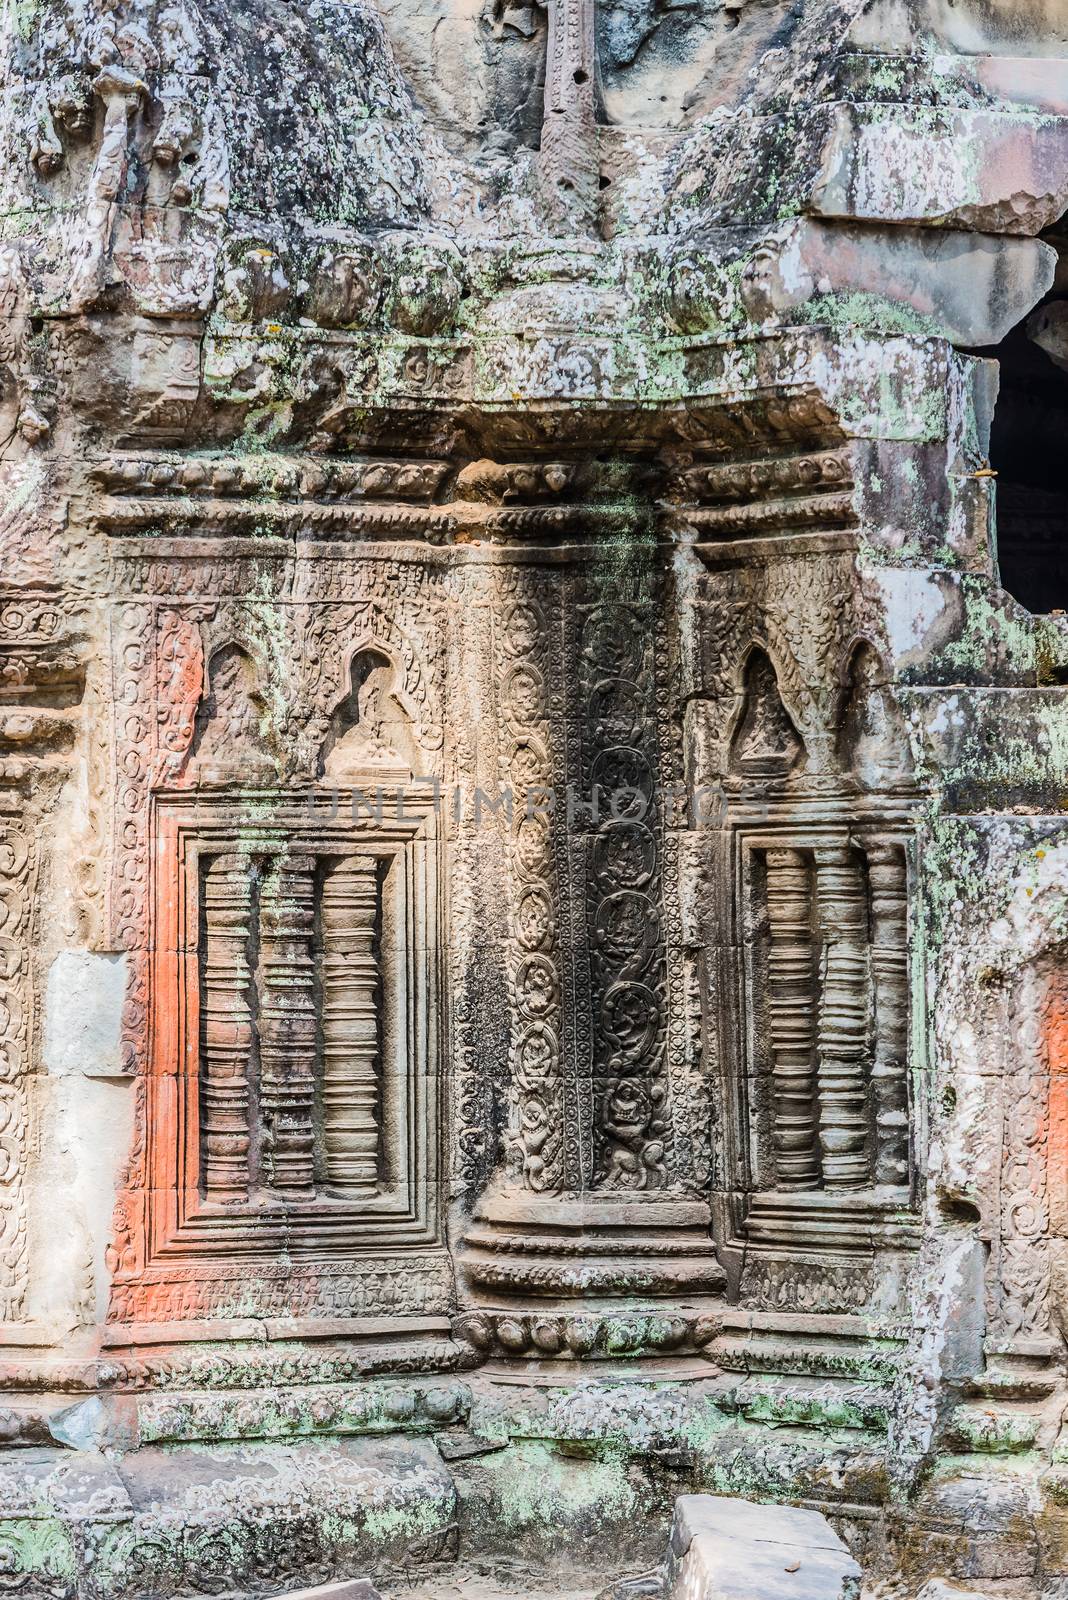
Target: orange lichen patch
{"x": 1056, "y": 1030}
{"x": 161, "y": 1182}
{"x": 179, "y": 686}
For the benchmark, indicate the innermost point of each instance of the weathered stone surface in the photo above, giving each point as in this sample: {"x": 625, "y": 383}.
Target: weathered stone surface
{"x": 533, "y": 756}
{"x": 1049, "y": 330}
{"x": 1000, "y": 173}
{"x": 83, "y": 1014}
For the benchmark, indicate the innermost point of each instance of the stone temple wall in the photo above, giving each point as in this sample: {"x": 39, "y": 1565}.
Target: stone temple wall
{"x": 533, "y": 770}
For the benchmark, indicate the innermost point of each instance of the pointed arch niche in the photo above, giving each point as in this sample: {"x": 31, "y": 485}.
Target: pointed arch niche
{"x": 292, "y": 1128}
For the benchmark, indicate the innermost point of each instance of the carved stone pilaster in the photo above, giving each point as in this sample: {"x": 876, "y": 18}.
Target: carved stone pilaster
{"x": 287, "y": 1027}
{"x": 889, "y": 969}
{"x": 631, "y": 1122}
{"x": 791, "y": 1020}
{"x": 542, "y": 1145}
{"x": 843, "y": 1016}
{"x": 568, "y": 159}
{"x": 351, "y": 1007}
{"x": 226, "y": 1033}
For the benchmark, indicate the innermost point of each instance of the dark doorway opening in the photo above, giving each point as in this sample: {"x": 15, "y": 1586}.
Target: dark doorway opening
{"x": 1029, "y": 452}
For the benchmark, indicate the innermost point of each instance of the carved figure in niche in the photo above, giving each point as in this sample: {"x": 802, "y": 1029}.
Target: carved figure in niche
{"x": 370, "y": 730}
{"x": 765, "y": 742}
{"x": 872, "y": 744}
{"x": 232, "y": 720}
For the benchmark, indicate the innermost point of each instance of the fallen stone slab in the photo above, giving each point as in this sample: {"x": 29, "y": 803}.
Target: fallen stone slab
{"x": 725, "y": 1549}
{"x": 347, "y": 1589}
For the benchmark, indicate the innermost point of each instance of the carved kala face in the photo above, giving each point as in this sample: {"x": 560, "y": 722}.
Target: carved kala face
{"x": 533, "y": 1122}
{"x": 627, "y": 1110}
{"x": 74, "y": 108}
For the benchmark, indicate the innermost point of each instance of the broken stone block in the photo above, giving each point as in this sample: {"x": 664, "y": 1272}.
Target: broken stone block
{"x": 99, "y": 1423}
{"x": 965, "y": 287}
{"x": 725, "y": 1549}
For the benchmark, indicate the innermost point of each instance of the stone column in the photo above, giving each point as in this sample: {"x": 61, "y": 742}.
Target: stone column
{"x": 226, "y": 1030}
{"x": 889, "y": 965}
{"x": 287, "y": 1027}
{"x": 843, "y": 1016}
{"x": 351, "y": 1009}
{"x": 791, "y": 1020}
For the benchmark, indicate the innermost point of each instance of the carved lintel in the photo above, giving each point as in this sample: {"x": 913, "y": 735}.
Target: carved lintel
{"x": 288, "y": 1027}
{"x": 889, "y": 966}
{"x": 351, "y": 1004}
{"x": 843, "y": 1016}
{"x": 226, "y": 1029}
{"x": 791, "y": 1019}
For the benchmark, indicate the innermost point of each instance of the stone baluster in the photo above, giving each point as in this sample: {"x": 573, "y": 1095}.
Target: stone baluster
{"x": 843, "y": 1016}
{"x": 791, "y": 980}
{"x": 288, "y": 1027}
{"x": 889, "y": 964}
{"x": 226, "y": 1035}
{"x": 351, "y": 1008}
